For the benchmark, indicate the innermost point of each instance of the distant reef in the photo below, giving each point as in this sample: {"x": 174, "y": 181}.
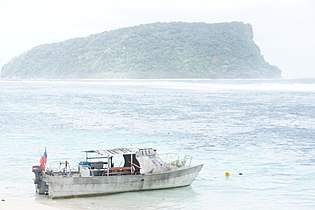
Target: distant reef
{"x": 157, "y": 50}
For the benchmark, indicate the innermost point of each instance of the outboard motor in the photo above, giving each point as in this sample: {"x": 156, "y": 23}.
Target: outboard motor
{"x": 41, "y": 186}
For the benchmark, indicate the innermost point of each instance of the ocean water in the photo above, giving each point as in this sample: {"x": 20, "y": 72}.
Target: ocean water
{"x": 264, "y": 129}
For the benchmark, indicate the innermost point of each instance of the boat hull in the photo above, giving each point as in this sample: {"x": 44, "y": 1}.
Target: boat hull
{"x": 63, "y": 187}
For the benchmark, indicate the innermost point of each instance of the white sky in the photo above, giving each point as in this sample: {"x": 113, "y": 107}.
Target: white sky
{"x": 283, "y": 29}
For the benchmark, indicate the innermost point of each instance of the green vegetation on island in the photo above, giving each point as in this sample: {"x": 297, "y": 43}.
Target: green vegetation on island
{"x": 158, "y": 50}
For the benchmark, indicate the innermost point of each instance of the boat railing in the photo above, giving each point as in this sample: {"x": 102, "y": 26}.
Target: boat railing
{"x": 59, "y": 167}
{"x": 177, "y": 160}
{"x": 167, "y": 155}
{"x": 186, "y": 158}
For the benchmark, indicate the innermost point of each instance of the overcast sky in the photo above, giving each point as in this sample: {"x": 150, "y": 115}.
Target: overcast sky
{"x": 283, "y": 29}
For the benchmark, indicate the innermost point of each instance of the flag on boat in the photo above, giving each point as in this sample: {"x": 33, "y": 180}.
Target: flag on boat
{"x": 43, "y": 160}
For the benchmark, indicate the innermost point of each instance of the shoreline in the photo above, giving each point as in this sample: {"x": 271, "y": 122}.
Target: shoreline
{"x": 10, "y": 203}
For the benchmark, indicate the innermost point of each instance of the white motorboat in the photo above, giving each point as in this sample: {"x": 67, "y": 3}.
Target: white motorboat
{"x": 100, "y": 174}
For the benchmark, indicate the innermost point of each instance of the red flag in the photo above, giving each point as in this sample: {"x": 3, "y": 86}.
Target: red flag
{"x": 43, "y": 160}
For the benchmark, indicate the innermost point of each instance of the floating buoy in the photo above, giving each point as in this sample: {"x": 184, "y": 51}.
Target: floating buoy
{"x": 227, "y": 174}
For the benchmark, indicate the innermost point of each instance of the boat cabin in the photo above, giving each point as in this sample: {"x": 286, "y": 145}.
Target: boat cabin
{"x": 105, "y": 163}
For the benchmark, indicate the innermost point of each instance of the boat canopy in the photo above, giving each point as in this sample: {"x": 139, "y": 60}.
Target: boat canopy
{"x": 111, "y": 152}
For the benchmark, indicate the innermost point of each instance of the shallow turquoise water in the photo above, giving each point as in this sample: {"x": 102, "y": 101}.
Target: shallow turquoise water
{"x": 262, "y": 129}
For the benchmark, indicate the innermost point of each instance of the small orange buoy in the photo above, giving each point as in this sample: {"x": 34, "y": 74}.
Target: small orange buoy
{"x": 227, "y": 174}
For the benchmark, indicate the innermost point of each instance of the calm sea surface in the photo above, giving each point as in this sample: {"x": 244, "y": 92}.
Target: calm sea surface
{"x": 264, "y": 129}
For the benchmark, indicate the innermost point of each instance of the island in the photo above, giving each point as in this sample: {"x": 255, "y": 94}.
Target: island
{"x": 149, "y": 51}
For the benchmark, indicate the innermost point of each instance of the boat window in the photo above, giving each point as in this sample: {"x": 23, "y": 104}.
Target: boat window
{"x": 118, "y": 161}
